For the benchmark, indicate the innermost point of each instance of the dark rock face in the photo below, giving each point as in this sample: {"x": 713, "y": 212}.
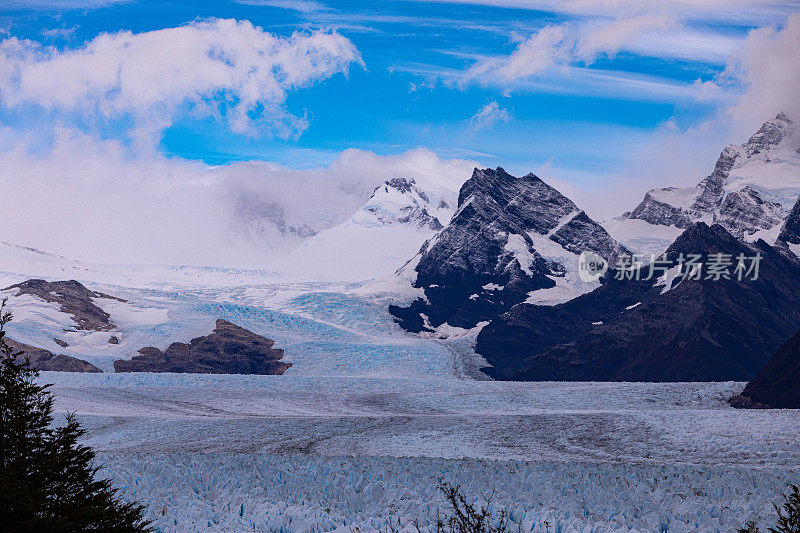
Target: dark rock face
{"x": 790, "y": 233}
{"x": 45, "y": 360}
{"x": 777, "y": 386}
{"x": 627, "y": 330}
{"x": 655, "y": 212}
{"x": 485, "y": 260}
{"x": 74, "y": 299}
{"x": 229, "y": 349}
{"x": 744, "y": 211}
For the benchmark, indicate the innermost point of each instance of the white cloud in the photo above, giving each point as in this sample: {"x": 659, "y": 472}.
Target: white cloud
{"x": 545, "y": 48}
{"x": 692, "y": 30}
{"x": 610, "y": 38}
{"x": 577, "y": 45}
{"x": 90, "y": 200}
{"x": 488, "y": 116}
{"x": 149, "y": 76}
{"x": 766, "y": 68}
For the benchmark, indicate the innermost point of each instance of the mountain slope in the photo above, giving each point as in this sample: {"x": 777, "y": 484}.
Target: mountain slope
{"x": 789, "y": 236}
{"x": 749, "y": 193}
{"x": 777, "y": 385}
{"x": 670, "y": 329}
{"x": 511, "y": 239}
{"x": 382, "y": 234}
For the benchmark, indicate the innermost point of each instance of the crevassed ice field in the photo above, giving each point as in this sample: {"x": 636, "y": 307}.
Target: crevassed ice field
{"x": 358, "y": 433}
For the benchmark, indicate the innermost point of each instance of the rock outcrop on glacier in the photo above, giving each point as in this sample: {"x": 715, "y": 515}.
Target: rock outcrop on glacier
{"x": 229, "y": 349}
{"x": 511, "y": 240}
{"x": 777, "y": 385}
{"x": 45, "y": 360}
{"x": 671, "y": 327}
{"x": 73, "y": 298}
{"x": 749, "y": 193}
{"x": 400, "y": 215}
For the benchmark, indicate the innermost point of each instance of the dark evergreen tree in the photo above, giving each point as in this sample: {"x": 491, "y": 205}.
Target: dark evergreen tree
{"x": 48, "y": 481}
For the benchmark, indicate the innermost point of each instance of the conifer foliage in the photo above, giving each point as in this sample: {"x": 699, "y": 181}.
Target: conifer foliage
{"x": 48, "y": 481}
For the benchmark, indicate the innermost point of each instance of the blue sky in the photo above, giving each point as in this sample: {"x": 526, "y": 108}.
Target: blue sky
{"x": 190, "y": 127}
{"x": 586, "y": 116}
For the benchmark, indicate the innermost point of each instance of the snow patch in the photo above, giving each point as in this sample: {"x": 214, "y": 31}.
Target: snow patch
{"x": 668, "y": 277}
{"x": 516, "y": 244}
{"x": 446, "y": 331}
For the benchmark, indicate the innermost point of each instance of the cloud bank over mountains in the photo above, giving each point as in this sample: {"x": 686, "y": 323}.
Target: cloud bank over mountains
{"x": 90, "y": 200}
{"x": 81, "y": 125}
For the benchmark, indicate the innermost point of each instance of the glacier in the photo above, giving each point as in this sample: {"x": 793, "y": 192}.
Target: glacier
{"x": 356, "y": 435}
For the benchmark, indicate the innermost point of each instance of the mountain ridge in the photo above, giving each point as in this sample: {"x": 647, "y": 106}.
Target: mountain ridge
{"x": 509, "y": 238}
{"x": 673, "y": 328}
{"x": 749, "y": 192}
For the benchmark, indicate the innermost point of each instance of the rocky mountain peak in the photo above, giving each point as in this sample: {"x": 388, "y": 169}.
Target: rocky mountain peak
{"x": 402, "y": 201}
{"x": 404, "y": 185}
{"x": 749, "y": 192}
{"x": 770, "y": 134}
{"x": 509, "y": 238}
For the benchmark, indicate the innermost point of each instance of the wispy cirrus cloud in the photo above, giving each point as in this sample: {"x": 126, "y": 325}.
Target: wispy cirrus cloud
{"x": 750, "y": 12}
{"x": 571, "y": 44}
{"x": 303, "y": 6}
{"x": 611, "y": 37}
{"x": 58, "y": 5}
{"x": 225, "y": 68}
{"x": 571, "y": 80}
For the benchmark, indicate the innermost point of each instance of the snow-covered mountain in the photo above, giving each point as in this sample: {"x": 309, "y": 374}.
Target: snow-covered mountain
{"x": 389, "y": 228}
{"x": 511, "y": 240}
{"x": 749, "y": 193}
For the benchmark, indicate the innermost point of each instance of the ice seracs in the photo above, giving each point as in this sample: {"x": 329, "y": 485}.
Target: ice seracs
{"x": 749, "y": 193}
{"x": 510, "y": 240}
